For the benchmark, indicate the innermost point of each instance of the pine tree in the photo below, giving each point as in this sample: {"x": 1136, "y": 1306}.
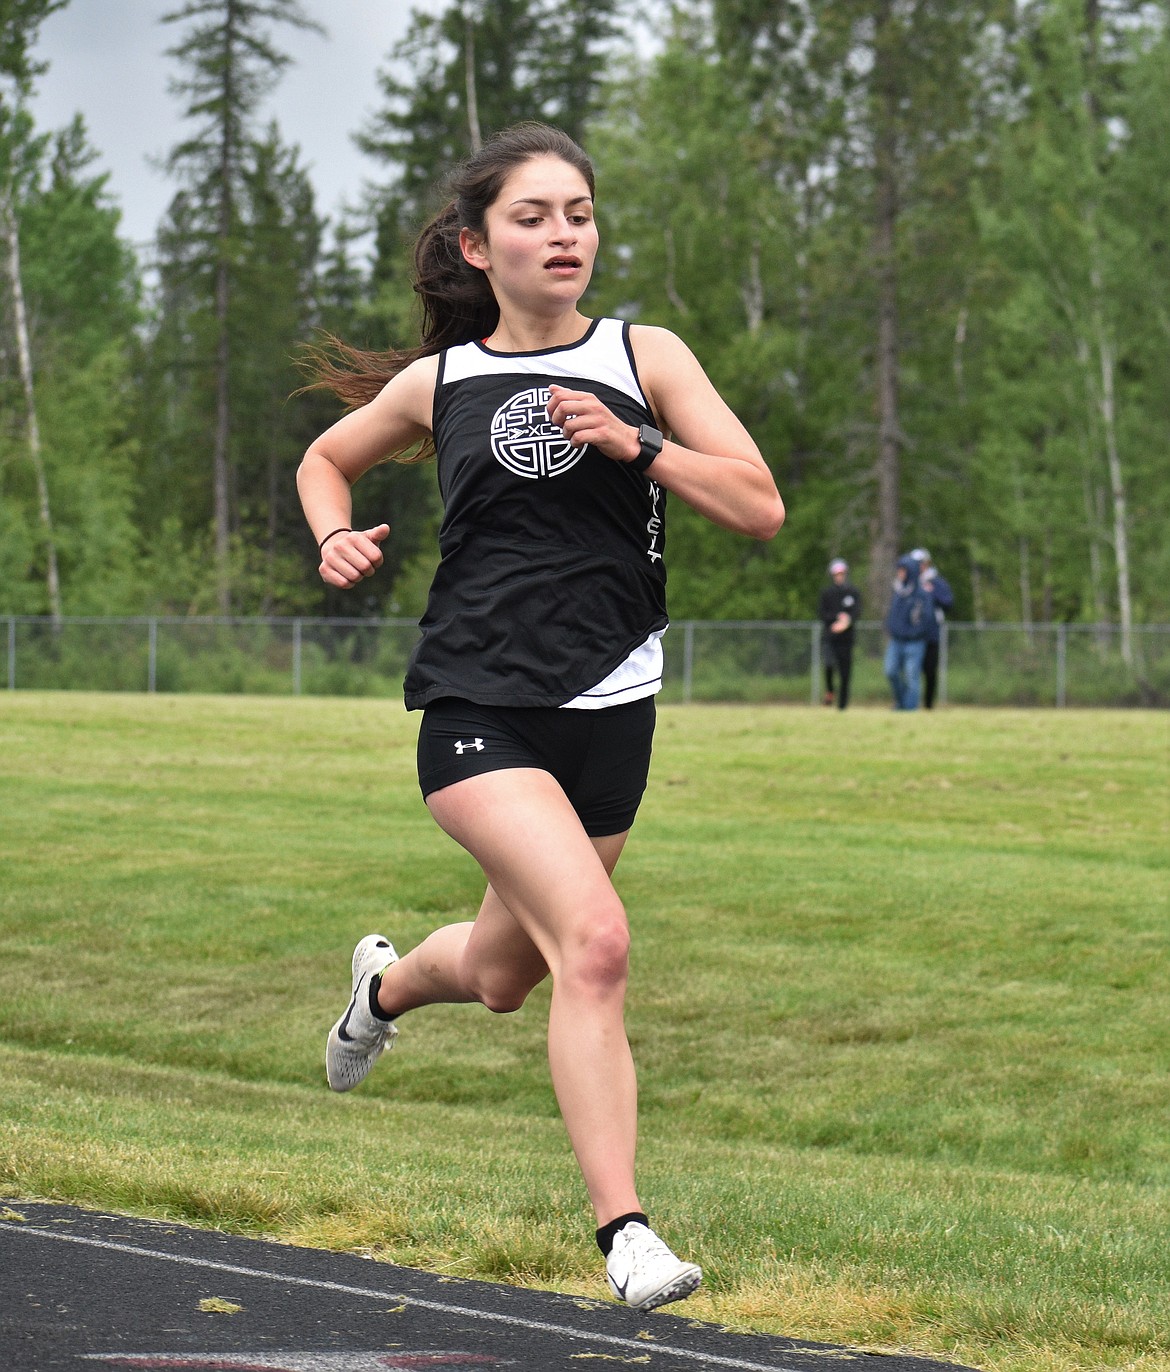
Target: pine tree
{"x": 230, "y": 64}
{"x": 878, "y": 103}
{"x": 477, "y": 67}
{"x": 697, "y": 235}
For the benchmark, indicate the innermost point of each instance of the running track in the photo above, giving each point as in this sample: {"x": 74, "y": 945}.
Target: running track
{"x": 85, "y": 1291}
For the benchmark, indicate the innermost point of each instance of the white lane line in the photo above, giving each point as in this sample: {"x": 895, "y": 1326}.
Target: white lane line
{"x": 540, "y": 1326}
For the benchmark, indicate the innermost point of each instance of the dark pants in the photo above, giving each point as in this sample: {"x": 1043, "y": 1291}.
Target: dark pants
{"x": 930, "y": 674}
{"x": 839, "y": 658}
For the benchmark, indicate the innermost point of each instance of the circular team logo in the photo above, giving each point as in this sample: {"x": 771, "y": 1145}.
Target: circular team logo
{"x": 527, "y": 442}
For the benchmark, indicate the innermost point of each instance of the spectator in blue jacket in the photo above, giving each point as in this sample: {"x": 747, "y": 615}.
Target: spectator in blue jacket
{"x": 907, "y": 623}
{"x": 932, "y": 581}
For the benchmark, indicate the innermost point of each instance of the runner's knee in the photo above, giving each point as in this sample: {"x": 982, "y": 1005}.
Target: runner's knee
{"x": 598, "y": 959}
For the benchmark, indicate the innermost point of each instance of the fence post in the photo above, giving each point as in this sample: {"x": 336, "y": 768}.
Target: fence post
{"x": 814, "y": 674}
{"x": 1061, "y": 663}
{"x": 296, "y": 657}
{"x": 12, "y": 652}
{"x": 152, "y": 655}
{"x": 688, "y": 659}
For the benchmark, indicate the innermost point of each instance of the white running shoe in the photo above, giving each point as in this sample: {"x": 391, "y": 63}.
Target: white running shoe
{"x": 357, "y": 1040}
{"x": 644, "y": 1273}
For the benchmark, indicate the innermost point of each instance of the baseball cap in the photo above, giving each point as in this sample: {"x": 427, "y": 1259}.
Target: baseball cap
{"x": 838, "y": 564}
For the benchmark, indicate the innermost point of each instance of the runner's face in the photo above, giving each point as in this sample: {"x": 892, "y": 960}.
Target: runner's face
{"x": 541, "y": 238}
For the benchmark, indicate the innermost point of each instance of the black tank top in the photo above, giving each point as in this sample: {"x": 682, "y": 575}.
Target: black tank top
{"x": 551, "y": 570}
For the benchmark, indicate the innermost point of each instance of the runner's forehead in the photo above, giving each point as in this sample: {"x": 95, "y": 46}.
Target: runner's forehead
{"x": 548, "y": 179}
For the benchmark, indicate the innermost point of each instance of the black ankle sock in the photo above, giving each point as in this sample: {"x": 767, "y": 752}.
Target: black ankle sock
{"x": 608, "y": 1232}
{"x": 375, "y": 1009}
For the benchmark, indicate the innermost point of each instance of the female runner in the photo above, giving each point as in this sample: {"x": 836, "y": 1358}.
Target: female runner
{"x": 540, "y": 651}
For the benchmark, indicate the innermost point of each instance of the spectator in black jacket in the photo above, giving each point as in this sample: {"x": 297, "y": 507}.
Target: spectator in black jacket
{"x": 839, "y": 610}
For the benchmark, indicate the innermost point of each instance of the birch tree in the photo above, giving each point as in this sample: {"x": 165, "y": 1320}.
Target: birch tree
{"x": 1063, "y": 237}
{"x": 20, "y": 154}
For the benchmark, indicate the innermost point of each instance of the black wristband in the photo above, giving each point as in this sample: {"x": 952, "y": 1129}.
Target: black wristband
{"x": 328, "y": 536}
{"x": 651, "y": 441}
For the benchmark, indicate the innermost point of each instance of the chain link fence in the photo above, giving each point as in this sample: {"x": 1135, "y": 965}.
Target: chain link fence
{"x": 706, "y": 660}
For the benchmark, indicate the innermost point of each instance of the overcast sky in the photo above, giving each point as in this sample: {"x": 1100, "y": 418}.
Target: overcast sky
{"x": 106, "y": 61}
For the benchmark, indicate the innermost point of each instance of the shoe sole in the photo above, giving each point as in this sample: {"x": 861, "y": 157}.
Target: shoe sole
{"x": 357, "y": 970}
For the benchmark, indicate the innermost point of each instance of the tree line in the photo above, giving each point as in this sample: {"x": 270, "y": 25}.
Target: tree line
{"x": 922, "y": 248}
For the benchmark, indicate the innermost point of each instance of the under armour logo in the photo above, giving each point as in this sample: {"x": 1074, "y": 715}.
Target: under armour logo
{"x": 461, "y": 747}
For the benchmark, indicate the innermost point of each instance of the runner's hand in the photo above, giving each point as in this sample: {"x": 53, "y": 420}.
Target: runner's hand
{"x": 350, "y": 557}
{"x": 583, "y": 419}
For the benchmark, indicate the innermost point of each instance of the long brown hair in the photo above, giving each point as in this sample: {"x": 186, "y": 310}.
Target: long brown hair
{"x": 456, "y": 301}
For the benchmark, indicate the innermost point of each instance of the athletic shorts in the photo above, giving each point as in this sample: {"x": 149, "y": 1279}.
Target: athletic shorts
{"x": 601, "y": 758}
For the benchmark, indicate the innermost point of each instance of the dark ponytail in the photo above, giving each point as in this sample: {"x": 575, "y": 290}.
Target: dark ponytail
{"x": 455, "y": 299}
{"x": 456, "y": 302}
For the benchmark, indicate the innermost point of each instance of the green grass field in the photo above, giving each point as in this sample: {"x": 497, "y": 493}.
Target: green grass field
{"x": 900, "y": 1005}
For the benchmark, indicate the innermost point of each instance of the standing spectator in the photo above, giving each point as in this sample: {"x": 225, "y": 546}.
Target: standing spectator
{"x": 839, "y": 610}
{"x": 908, "y": 624}
{"x": 935, "y": 584}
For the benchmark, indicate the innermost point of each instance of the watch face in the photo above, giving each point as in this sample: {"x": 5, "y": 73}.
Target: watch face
{"x": 650, "y": 445}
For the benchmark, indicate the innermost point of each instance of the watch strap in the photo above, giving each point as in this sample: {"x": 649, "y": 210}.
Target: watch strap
{"x": 651, "y": 440}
